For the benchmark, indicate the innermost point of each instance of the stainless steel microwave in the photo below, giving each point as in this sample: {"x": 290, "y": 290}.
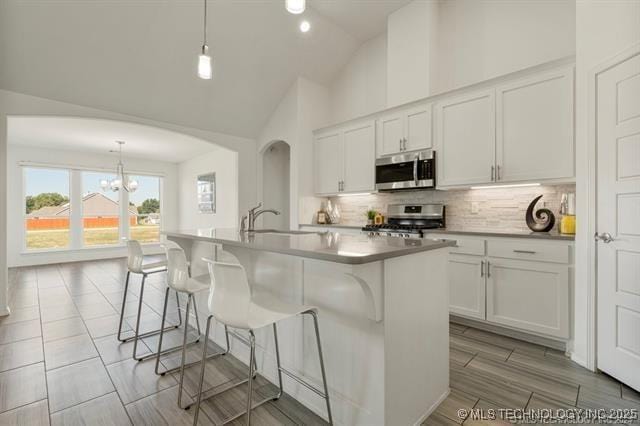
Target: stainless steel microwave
{"x": 413, "y": 170}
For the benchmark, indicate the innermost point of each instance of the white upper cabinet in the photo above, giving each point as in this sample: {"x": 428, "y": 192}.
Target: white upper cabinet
{"x": 390, "y": 133}
{"x": 359, "y": 158}
{"x": 465, "y": 139}
{"x": 328, "y": 162}
{"x": 535, "y": 128}
{"x": 345, "y": 159}
{"x": 407, "y": 129}
{"x": 418, "y": 128}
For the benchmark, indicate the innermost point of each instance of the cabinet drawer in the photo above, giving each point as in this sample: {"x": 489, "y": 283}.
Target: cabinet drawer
{"x": 542, "y": 251}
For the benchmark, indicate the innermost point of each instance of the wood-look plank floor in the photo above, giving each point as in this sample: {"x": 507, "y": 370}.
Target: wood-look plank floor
{"x": 74, "y": 371}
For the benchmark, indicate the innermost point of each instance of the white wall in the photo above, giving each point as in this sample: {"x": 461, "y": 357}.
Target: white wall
{"x": 603, "y": 29}
{"x": 15, "y": 196}
{"x": 225, "y": 165}
{"x": 361, "y": 86}
{"x": 482, "y": 39}
{"x": 303, "y": 109}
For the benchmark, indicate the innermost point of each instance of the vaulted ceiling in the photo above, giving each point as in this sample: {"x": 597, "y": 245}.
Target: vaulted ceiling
{"x": 139, "y": 57}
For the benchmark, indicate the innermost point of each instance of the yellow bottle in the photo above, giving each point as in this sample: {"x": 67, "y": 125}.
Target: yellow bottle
{"x": 568, "y": 224}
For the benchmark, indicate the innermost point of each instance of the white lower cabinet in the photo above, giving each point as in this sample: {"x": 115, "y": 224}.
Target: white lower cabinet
{"x": 532, "y": 296}
{"x": 467, "y": 286}
{"x": 497, "y": 286}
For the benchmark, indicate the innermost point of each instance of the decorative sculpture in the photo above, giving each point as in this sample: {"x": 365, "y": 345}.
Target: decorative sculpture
{"x": 544, "y": 219}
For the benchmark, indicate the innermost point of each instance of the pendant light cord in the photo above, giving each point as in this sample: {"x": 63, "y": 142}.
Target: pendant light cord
{"x": 205, "y": 22}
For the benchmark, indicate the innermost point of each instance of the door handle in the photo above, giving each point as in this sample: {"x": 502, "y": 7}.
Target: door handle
{"x": 605, "y": 237}
{"x": 524, "y": 251}
{"x": 498, "y": 177}
{"x": 404, "y": 144}
{"x": 482, "y": 269}
{"x": 488, "y": 269}
{"x": 493, "y": 173}
{"x": 400, "y": 144}
{"x": 415, "y": 170}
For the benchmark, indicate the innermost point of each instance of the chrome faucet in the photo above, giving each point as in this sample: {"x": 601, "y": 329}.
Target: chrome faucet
{"x": 248, "y": 222}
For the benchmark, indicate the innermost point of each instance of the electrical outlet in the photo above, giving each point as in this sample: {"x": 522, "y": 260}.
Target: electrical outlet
{"x": 475, "y": 207}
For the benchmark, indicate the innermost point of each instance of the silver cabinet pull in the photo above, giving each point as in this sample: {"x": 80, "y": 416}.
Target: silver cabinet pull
{"x": 524, "y": 251}
{"x": 493, "y": 173}
{"x": 400, "y": 144}
{"x": 498, "y": 174}
{"x": 404, "y": 144}
{"x": 488, "y": 269}
{"x": 482, "y": 268}
{"x": 605, "y": 237}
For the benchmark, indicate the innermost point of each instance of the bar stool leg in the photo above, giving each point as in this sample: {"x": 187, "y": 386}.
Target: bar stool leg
{"x": 202, "y": 369}
{"x": 179, "y": 315}
{"x": 184, "y": 349}
{"x": 226, "y": 334}
{"x": 124, "y": 301}
{"x": 135, "y": 339}
{"x": 275, "y": 335}
{"x": 195, "y": 309}
{"x": 324, "y": 375}
{"x": 252, "y": 340}
{"x": 164, "y": 316}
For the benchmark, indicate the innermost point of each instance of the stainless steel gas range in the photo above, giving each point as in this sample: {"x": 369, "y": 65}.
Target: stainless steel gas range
{"x": 409, "y": 220}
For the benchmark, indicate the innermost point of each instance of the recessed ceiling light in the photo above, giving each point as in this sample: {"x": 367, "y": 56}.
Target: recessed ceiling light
{"x": 305, "y": 26}
{"x": 295, "y": 6}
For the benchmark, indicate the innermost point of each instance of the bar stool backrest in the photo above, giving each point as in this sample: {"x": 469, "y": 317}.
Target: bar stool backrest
{"x": 230, "y": 295}
{"x": 177, "y": 269}
{"x": 135, "y": 256}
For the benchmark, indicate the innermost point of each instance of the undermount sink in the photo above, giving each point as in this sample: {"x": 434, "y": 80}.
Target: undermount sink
{"x": 276, "y": 231}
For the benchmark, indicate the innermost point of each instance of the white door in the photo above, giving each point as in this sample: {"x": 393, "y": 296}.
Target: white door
{"x": 359, "y": 157}
{"x": 532, "y": 296}
{"x": 535, "y": 128}
{"x": 618, "y": 214}
{"x": 467, "y": 286}
{"x": 466, "y": 139}
{"x": 328, "y": 162}
{"x": 390, "y": 133}
{"x": 418, "y": 128}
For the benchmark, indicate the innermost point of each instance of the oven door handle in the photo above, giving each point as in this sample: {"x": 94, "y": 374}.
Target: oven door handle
{"x": 415, "y": 170}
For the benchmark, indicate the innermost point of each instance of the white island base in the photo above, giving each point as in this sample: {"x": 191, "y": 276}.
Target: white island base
{"x": 383, "y": 324}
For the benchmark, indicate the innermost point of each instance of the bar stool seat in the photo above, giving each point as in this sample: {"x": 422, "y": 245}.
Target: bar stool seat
{"x": 265, "y": 310}
{"x": 196, "y": 284}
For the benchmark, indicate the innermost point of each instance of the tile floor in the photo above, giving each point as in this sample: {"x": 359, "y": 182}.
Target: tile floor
{"x": 61, "y": 364}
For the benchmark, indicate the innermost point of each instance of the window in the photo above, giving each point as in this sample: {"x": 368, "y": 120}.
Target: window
{"x": 100, "y": 211}
{"x": 47, "y": 208}
{"x": 56, "y": 217}
{"x": 145, "y": 227}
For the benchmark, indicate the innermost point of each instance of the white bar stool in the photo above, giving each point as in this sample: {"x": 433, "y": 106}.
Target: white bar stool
{"x": 138, "y": 263}
{"x": 179, "y": 280}
{"x": 231, "y": 303}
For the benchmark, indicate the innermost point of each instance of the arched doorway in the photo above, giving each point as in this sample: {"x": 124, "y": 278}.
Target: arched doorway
{"x": 276, "y": 182}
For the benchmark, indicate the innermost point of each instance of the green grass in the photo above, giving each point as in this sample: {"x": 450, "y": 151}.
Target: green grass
{"x": 59, "y": 238}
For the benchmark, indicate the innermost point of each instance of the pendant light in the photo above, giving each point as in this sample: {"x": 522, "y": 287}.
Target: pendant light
{"x": 295, "y": 6}
{"x": 121, "y": 181}
{"x": 204, "y": 60}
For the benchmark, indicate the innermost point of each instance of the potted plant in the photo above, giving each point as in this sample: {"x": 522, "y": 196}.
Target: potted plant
{"x": 371, "y": 215}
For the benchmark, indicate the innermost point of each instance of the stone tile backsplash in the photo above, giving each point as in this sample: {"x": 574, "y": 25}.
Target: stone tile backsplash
{"x": 500, "y": 209}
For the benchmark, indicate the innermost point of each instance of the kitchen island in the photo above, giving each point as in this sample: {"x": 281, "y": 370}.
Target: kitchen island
{"x": 383, "y": 309}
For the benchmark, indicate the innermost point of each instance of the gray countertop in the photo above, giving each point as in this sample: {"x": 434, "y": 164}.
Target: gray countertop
{"x": 553, "y": 235}
{"x": 340, "y": 248}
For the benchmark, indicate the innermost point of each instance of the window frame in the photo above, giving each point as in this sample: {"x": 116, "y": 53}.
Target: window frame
{"x": 75, "y": 201}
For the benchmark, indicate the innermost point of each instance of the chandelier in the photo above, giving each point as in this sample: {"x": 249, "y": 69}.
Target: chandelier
{"x": 121, "y": 181}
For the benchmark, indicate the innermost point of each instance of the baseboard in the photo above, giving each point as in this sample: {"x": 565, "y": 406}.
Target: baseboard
{"x": 4, "y": 312}
{"x": 433, "y": 408}
{"x": 559, "y": 345}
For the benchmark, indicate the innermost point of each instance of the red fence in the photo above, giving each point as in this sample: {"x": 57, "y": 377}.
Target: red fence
{"x": 36, "y": 223}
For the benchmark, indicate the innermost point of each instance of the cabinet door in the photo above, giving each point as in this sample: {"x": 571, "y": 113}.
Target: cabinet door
{"x": 467, "y": 286}
{"x": 390, "y": 133}
{"x": 465, "y": 143}
{"x": 328, "y": 162}
{"x": 418, "y": 127}
{"x": 532, "y": 296}
{"x": 359, "y": 157}
{"x": 535, "y": 128}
